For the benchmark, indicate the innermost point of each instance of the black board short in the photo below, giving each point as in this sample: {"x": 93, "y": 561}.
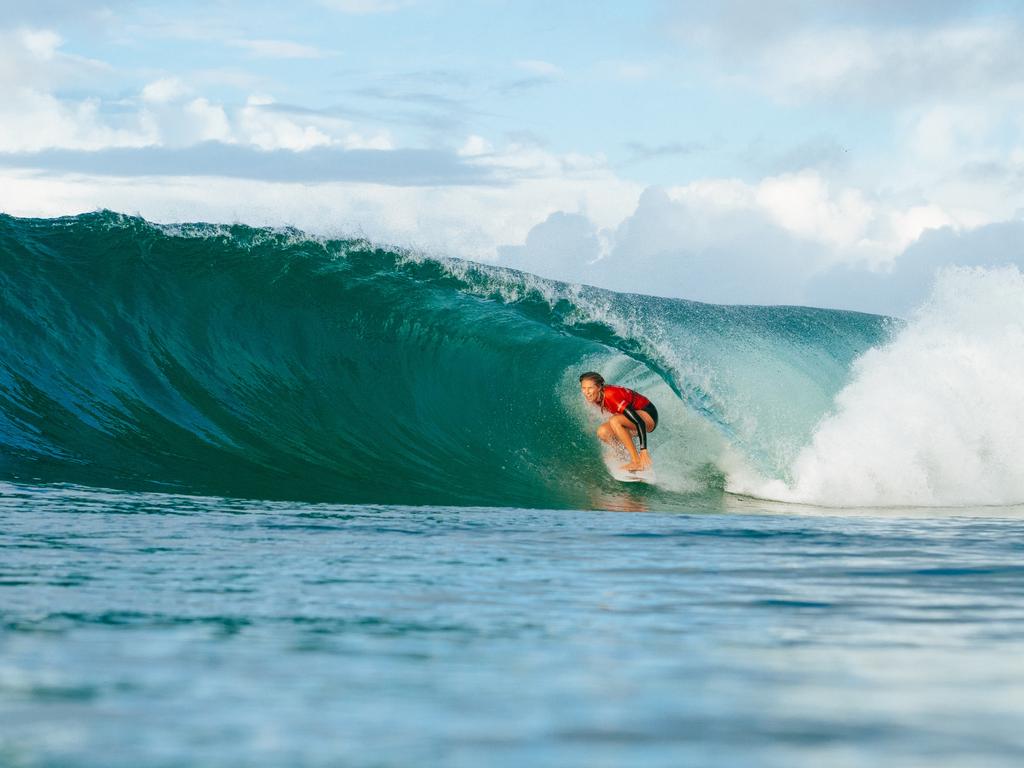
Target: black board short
{"x": 650, "y": 409}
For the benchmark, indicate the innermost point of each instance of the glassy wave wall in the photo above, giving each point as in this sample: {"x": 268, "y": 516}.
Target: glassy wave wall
{"x": 229, "y": 360}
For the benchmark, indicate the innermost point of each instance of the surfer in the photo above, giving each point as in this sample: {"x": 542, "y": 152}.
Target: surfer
{"x": 632, "y": 414}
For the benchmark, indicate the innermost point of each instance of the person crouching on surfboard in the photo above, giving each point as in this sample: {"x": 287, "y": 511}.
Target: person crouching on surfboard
{"x": 632, "y": 414}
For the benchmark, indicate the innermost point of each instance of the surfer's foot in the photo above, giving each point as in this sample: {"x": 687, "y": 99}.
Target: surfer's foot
{"x": 633, "y": 466}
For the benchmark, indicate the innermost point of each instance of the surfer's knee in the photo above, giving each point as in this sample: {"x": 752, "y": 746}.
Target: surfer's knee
{"x": 622, "y": 421}
{"x": 604, "y": 432}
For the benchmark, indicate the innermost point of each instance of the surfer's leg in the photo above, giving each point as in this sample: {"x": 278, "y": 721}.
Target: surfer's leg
{"x": 623, "y": 430}
{"x": 650, "y": 422}
{"x": 606, "y": 432}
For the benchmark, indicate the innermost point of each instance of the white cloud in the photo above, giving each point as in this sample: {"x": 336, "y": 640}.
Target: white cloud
{"x": 562, "y": 247}
{"x": 165, "y": 90}
{"x": 168, "y": 112}
{"x": 844, "y": 221}
{"x": 32, "y": 66}
{"x": 946, "y": 130}
{"x": 32, "y": 59}
{"x": 942, "y": 84}
{"x": 270, "y": 130}
{"x": 278, "y": 49}
{"x": 877, "y": 54}
{"x": 31, "y": 121}
{"x": 892, "y": 65}
{"x": 258, "y": 123}
{"x": 41, "y": 43}
{"x": 906, "y": 281}
{"x": 210, "y": 121}
{"x": 698, "y": 250}
{"x": 259, "y": 100}
{"x": 475, "y": 146}
{"x": 178, "y": 120}
{"x": 803, "y": 204}
{"x": 521, "y": 158}
{"x": 787, "y": 239}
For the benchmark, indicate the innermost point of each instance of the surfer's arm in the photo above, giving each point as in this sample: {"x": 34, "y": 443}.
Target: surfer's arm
{"x": 641, "y": 426}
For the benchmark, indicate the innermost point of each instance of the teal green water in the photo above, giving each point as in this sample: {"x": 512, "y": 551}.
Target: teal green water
{"x": 269, "y": 364}
{"x": 171, "y": 631}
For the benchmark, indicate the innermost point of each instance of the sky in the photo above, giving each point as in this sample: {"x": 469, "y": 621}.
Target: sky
{"x": 797, "y": 152}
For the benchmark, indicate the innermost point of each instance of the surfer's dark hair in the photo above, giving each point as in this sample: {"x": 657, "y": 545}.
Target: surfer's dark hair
{"x": 597, "y": 378}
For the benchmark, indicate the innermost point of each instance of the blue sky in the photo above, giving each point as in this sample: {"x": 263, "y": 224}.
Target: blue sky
{"x": 735, "y": 151}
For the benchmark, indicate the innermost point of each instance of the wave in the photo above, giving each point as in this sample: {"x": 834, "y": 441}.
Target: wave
{"x": 236, "y": 361}
{"x": 935, "y": 417}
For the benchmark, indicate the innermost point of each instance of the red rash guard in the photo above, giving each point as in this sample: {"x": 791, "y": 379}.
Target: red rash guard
{"x": 617, "y": 399}
{"x": 626, "y": 402}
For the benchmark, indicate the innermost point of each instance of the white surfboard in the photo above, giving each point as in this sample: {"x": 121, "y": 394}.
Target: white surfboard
{"x": 614, "y": 463}
{"x": 647, "y": 476}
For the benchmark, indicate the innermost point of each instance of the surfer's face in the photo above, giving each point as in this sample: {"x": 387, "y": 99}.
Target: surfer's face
{"x": 591, "y": 391}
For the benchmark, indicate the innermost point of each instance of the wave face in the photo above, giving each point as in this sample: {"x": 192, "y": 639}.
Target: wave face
{"x": 228, "y": 360}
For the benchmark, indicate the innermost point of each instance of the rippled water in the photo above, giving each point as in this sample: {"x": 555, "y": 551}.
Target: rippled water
{"x": 159, "y": 630}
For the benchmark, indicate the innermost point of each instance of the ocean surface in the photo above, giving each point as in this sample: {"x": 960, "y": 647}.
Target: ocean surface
{"x": 269, "y": 499}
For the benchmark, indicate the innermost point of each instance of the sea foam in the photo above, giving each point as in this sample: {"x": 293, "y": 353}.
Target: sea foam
{"x": 935, "y": 417}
